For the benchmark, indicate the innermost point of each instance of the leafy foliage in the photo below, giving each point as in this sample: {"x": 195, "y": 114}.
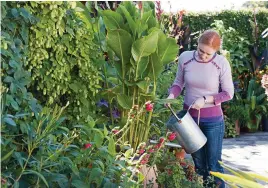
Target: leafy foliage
{"x": 63, "y": 58}
{"x": 14, "y": 40}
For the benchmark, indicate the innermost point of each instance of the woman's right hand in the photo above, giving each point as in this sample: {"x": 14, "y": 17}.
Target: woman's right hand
{"x": 171, "y": 96}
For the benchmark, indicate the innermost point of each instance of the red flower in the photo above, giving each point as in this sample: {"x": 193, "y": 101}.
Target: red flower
{"x": 135, "y": 107}
{"x": 151, "y": 150}
{"x": 147, "y": 156}
{"x": 172, "y": 136}
{"x": 149, "y": 106}
{"x": 141, "y": 151}
{"x": 115, "y": 131}
{"x": 161, "y": 140}
{"x": 169, "y": 171}
{"x": 143, "y": 161}
{"x": 3, "y": 181}
{"x": 88, "y": 145}
{"x": 157, "y": 146}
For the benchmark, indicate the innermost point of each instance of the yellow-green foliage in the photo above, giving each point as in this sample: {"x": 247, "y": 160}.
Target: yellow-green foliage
{"x": 63, "y": 57}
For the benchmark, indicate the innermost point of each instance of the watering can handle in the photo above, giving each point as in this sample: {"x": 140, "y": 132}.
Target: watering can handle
{"x": 172, "y": 111}
{"x": 198, "y": 118}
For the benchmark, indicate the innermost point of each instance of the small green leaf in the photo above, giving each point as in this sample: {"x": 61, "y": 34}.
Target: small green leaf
{"x": 8, "y": 79}
{"x": 98, "y": 139}
{"x": 143, "y": 85}
{"x": 15, "y": 12}
{"x": 96, "y": 175}
{"x": 111, "y": 146}
{"x": 19, "y": 158}
{"x": 105, "y": 131}
{"x": 128, "y": 153}
{"x": 124, "y": 101}
{"x": 36, "y": 173}
{"x": 9, "y": 121}
{"x": 7, "y": 155}
{"x": 79, "y": 184}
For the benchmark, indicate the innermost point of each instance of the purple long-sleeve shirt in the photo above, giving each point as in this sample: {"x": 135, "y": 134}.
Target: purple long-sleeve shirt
{"x": 204, "y": 79}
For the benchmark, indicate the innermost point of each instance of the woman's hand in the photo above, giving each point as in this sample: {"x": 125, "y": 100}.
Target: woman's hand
{"x": 171, "y": 96}
{"x": 199, "y": 103}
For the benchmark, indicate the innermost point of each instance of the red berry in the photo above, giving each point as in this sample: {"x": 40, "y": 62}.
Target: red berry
{"x": 88, "y": 145}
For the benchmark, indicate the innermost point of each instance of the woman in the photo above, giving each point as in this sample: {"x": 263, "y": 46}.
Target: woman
{"x": 207, "y": 79}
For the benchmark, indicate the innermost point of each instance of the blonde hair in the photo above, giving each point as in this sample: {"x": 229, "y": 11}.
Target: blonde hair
{"x": 211, "y": 38}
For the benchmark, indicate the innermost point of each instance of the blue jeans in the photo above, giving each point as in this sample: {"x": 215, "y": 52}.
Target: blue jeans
{"x": 206, "y": 159}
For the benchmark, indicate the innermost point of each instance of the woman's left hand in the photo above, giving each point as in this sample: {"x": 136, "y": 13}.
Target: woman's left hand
{"x": 199, "y": 103}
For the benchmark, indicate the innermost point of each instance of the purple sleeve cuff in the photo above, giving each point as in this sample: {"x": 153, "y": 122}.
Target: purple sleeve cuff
{"x": 175, "y": 90}
{"x": 221, "y": 97}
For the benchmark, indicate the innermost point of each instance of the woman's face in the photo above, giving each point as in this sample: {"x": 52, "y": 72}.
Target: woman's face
{"x": 205, "y": 52}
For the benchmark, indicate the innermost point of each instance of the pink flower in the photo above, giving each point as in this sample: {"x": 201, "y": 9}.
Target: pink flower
{"x": 88, "y": 145}
{"x": 172, "y": 136}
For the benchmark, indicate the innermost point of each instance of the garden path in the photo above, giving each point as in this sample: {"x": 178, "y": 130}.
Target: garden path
{"x": 247, "y": 152}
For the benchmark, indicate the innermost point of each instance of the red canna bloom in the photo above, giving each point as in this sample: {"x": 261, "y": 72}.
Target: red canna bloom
{"x": 172, "y": 136}
{"x": 149, "y": 106}
{"x": 88, "y": 145}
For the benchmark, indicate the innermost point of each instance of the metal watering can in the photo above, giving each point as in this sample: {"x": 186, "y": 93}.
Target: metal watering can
{"x": 188, "y": 133}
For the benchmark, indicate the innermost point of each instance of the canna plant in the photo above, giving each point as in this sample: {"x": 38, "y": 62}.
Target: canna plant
{"x": 138, "y": 51}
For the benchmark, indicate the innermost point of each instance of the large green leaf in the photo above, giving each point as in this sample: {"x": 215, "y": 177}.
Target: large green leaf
{"x": 155, "y": 66}
{"x": 130, "y": 8}
{"x": 141, "y": 66}
{"x": 167, "y": 49}
{"x": 84, "y": 13}
{"x": 130, "y": 20}
{"x": 120, "y": 42}
{"x": 146, "y": 17}
{"x": 124, "y": 101}
{"x": 112, "y": 20}
{"x": 144, "y": 47}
